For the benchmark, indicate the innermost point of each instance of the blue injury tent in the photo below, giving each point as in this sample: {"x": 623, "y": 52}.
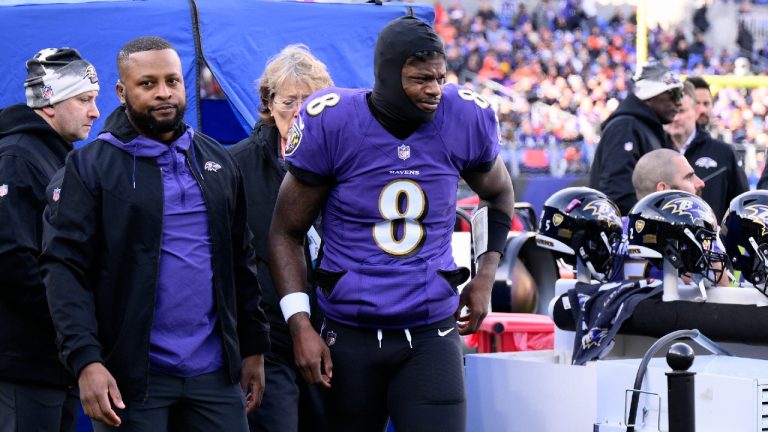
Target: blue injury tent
{"x": 235, "y": 37}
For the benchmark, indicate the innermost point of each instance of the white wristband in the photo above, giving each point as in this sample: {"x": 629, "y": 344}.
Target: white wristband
{"x": 294, "y": 303}
{"x": 480, "y": 231}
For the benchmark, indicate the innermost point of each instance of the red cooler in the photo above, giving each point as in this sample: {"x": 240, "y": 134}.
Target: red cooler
{"x": 504, "y": 332}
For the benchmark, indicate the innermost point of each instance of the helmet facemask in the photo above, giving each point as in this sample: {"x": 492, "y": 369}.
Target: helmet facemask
{"x": 759, "y": 274}
{"x": 601, "y": 254}
{"x": 694, "y": 254}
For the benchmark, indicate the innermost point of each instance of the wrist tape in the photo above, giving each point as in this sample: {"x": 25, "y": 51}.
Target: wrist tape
{"x": 294, "y": 303}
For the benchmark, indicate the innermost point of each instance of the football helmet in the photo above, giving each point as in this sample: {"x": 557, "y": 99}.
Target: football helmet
{"x": 583, "y": 222}
{"x": 745, "y": 236}
{"x": 680, "y": 227}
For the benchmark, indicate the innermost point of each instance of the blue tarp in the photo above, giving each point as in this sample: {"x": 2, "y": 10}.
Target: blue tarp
{"x": 98, "y": 30}
{"x": 340, "y": 35}
{"x": 237, "y": 38}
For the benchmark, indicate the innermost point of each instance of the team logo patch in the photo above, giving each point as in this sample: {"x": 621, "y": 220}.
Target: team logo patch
{"x": 639, "y": 226}
{"x": 404, "y": 152}
{"x": 294, "y": 136}
{"x": 3, "y": 190}
{"x": 56, "y": 194}
{"x": 594, "y": 337}
{"x": 706, "y": 162}
{"x": 90, "y": 74}
{"x": 212, "y": 166}
{"x": 557, "y": 219}
{"x": 670, "y": 78}
{"x": 46, "y": 92}
{"x": 330, "y": 338}
{"x": 628, "y": 146}
{"x": 758, "y": 213}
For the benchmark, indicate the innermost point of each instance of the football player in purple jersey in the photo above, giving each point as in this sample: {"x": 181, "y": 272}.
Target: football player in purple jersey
{"x": 383, "y": 167}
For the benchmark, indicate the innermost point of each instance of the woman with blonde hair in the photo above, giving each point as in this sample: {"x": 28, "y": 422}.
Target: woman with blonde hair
{"x": 288, "y": 404}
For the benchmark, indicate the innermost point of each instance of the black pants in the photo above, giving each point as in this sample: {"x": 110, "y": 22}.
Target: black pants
{"x": 289, "y": 404}
{"x": 34, "y": 407}
{"x": 203, "y": 403}
{"x": 418, "y": 383}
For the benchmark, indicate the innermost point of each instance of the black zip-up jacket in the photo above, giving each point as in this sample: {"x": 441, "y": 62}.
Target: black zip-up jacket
{"x": 715, "y": 162}
{"x": 631, "y": 131}
{"x": 100, "y": 261}
{"x": 762, "y": 182}
{"x": 30, "y": 153}
{"x": 262, "y": 174}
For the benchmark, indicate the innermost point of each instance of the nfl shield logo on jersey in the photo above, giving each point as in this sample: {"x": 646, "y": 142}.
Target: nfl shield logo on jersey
{"x": 404, "y": 152}
{"x": 56, "y": 194}
{"x": 3, "y": 190}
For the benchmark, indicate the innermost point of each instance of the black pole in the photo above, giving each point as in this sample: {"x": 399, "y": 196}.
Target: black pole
{"x": 680, "y": 389}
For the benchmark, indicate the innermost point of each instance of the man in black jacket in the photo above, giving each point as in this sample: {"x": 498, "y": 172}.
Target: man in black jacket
{"x": 36, "y": 391}
{"x": 713, "y": 161}
{"x": 634, "y": 129}
{"x": 148, "y": 265}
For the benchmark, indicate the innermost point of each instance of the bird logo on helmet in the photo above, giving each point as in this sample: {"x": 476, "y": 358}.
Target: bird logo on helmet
{"x": 604, "y": 210}
{"x": 582, "y": 222}
{"x": 687, "y": 207}
{"x": 679, "y": 227}
{"x": 758, "y": 213}
{"x": 745, "y": 237}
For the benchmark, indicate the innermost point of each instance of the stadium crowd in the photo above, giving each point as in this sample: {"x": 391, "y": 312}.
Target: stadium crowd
{"x": 556, "y": 72}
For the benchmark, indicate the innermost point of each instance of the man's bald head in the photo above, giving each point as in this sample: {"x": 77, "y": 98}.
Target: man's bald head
{"x": 664, "y": 169}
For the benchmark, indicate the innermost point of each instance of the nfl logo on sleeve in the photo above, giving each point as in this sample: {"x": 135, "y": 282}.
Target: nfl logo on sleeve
{"x": 3, "y": 190}
{"x": 404, "y": 152}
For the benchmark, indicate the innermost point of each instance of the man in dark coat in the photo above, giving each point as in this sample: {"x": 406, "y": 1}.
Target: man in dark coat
{"x": 713, "y": 161}
{"x": 634, "y": 129}
{"x": 148, "y": 265}
{"x": 36, "y": 391}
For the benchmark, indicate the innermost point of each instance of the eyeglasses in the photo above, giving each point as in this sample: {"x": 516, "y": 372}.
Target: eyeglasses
{"x": 676, "y": 94}
{"x": 289, "y": 104}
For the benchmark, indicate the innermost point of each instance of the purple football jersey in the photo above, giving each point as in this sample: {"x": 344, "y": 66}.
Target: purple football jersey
{"x": 389, "y": 217}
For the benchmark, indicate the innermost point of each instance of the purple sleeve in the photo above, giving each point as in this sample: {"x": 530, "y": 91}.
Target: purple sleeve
{"x": 471, "y": 116}
{"x": 486, "y": 144}
{"x": 307, "y": 147}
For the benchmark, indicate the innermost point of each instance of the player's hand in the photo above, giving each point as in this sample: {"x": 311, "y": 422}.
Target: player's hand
{"x": 310, "y": 351}
{"x": 252, "y": 381}
{"x": 476, "y": 296}
{"x": 97, "y": 387}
